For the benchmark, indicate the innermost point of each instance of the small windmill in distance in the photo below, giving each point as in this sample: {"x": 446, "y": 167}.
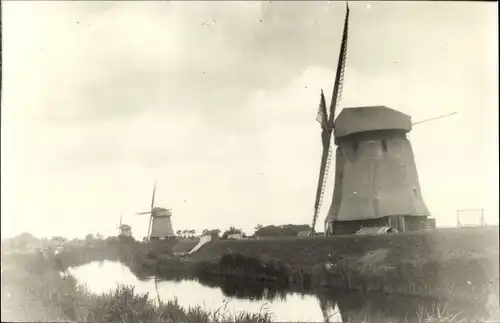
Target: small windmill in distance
{"x": 124, "y": 230}
{"x": 160, "y": 223}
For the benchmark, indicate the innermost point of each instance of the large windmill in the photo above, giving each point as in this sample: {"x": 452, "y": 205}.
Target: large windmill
{"x": 124, "y": 230}
{"x": 327, "y": 121}
{"x": 376, "y": 180}
{"x": 160, "y": 223}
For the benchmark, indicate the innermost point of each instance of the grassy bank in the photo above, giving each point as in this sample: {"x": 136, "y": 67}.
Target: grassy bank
{"x": 452, "y": 263}
{"x": 125, "y": 251}
{"x": 33, "y": 290}
{"x": 444, "y": 264}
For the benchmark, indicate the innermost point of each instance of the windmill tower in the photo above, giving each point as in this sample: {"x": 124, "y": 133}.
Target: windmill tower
{"x": 124, "y": 230}
{"x": 160, "y": 223}
{"x": 376, "y": 180}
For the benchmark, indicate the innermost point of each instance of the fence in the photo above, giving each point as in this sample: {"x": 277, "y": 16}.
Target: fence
{"x": 470, "y": 218}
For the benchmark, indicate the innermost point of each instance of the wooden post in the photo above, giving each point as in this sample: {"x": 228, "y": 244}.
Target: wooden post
{"x": 402, "y": 223}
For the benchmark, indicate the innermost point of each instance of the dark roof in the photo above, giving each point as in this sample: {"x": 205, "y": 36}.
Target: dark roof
{"x": 162, "y": 212}
{"x": 372, "y": 118}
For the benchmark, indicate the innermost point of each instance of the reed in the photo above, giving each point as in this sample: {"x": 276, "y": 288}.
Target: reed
{"x": 48, "y": 295}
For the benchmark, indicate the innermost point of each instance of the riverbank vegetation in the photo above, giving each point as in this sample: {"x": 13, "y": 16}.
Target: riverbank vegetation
{"x": 34, "y": 290}
{"x": 453, "y": 263}
{"x": 456, "y": 265}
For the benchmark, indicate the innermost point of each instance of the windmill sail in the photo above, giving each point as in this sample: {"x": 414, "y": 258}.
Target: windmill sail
{"x": 339, "y": 76}
{"x": 328, "y": 126}
{"x": 152, "y": 210}
{"x": 322, "y": 116}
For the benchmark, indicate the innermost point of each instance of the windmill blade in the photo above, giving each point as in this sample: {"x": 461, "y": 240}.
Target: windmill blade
{"x": 339, "y": 76}
{"x": 323, "y": 172}
{"x": 121, "y": 215}
{"x": 152, "y": 210}
{"x": 149, "y": 225}
{"x": 322, "y": 116}
{"x": 142, "y": 213}
{"x": 326, "y": 135}
{"x": 153, "y": 198}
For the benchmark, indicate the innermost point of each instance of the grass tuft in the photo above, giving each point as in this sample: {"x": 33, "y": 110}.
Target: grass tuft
{"x": 48, "y": 295}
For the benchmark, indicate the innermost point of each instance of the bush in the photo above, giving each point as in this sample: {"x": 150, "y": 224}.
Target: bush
{"x": 239, "y": 265}
{"x": 231, "y": 230}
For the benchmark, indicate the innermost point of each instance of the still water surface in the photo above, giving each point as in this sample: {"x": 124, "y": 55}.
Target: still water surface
{"x": 235, "y": 297}
{"x": 101, "y": 277}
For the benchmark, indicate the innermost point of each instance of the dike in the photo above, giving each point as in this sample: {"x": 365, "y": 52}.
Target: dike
{"x": 442, "y": 263}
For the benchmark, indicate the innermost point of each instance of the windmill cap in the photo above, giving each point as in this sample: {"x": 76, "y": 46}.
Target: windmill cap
{"x": 372, "y": 118}
{"x": 159, "y": 212}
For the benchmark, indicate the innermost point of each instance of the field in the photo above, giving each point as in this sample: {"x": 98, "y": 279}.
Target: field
{"x": 424, "y": 245}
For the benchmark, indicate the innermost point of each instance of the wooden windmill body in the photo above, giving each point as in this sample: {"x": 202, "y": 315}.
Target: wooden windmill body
{"x": 124, "y": 230}
{"x": 161, "y": 225}
{"x": 376, "y": 180}
{"x": 160, "y": 221}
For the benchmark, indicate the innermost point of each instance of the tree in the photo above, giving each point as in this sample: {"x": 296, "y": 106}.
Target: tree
{"x": 212, "y": 232}
{"x": 258, "y": 227}
{"x": 231, "y": 230}
{"x": 89, "y": 238}
{"x": 59, "y": 239}
{"x": 179, "y": 232}
{"x": 24, "y": 240}
{"x": 112, "y": 239}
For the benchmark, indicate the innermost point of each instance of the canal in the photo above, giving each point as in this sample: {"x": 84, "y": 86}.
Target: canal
{"x": 235, "y": 296}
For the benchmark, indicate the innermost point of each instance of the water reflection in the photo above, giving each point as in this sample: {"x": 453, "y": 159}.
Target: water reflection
{"x": 189, "y": 293}
{"x": 246, "y": 289}
{"x": 236, "y": 295}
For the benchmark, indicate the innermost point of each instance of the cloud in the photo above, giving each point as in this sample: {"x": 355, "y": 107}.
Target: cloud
{"x": 223, "y": 115}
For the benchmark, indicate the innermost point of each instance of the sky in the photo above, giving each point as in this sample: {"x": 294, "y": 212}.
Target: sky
{"x": 217, "y": 102}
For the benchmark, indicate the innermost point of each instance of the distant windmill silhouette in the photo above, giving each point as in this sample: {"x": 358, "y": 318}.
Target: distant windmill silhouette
{"x": 160, "y": 223}
{"x": 124, "y": 230}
